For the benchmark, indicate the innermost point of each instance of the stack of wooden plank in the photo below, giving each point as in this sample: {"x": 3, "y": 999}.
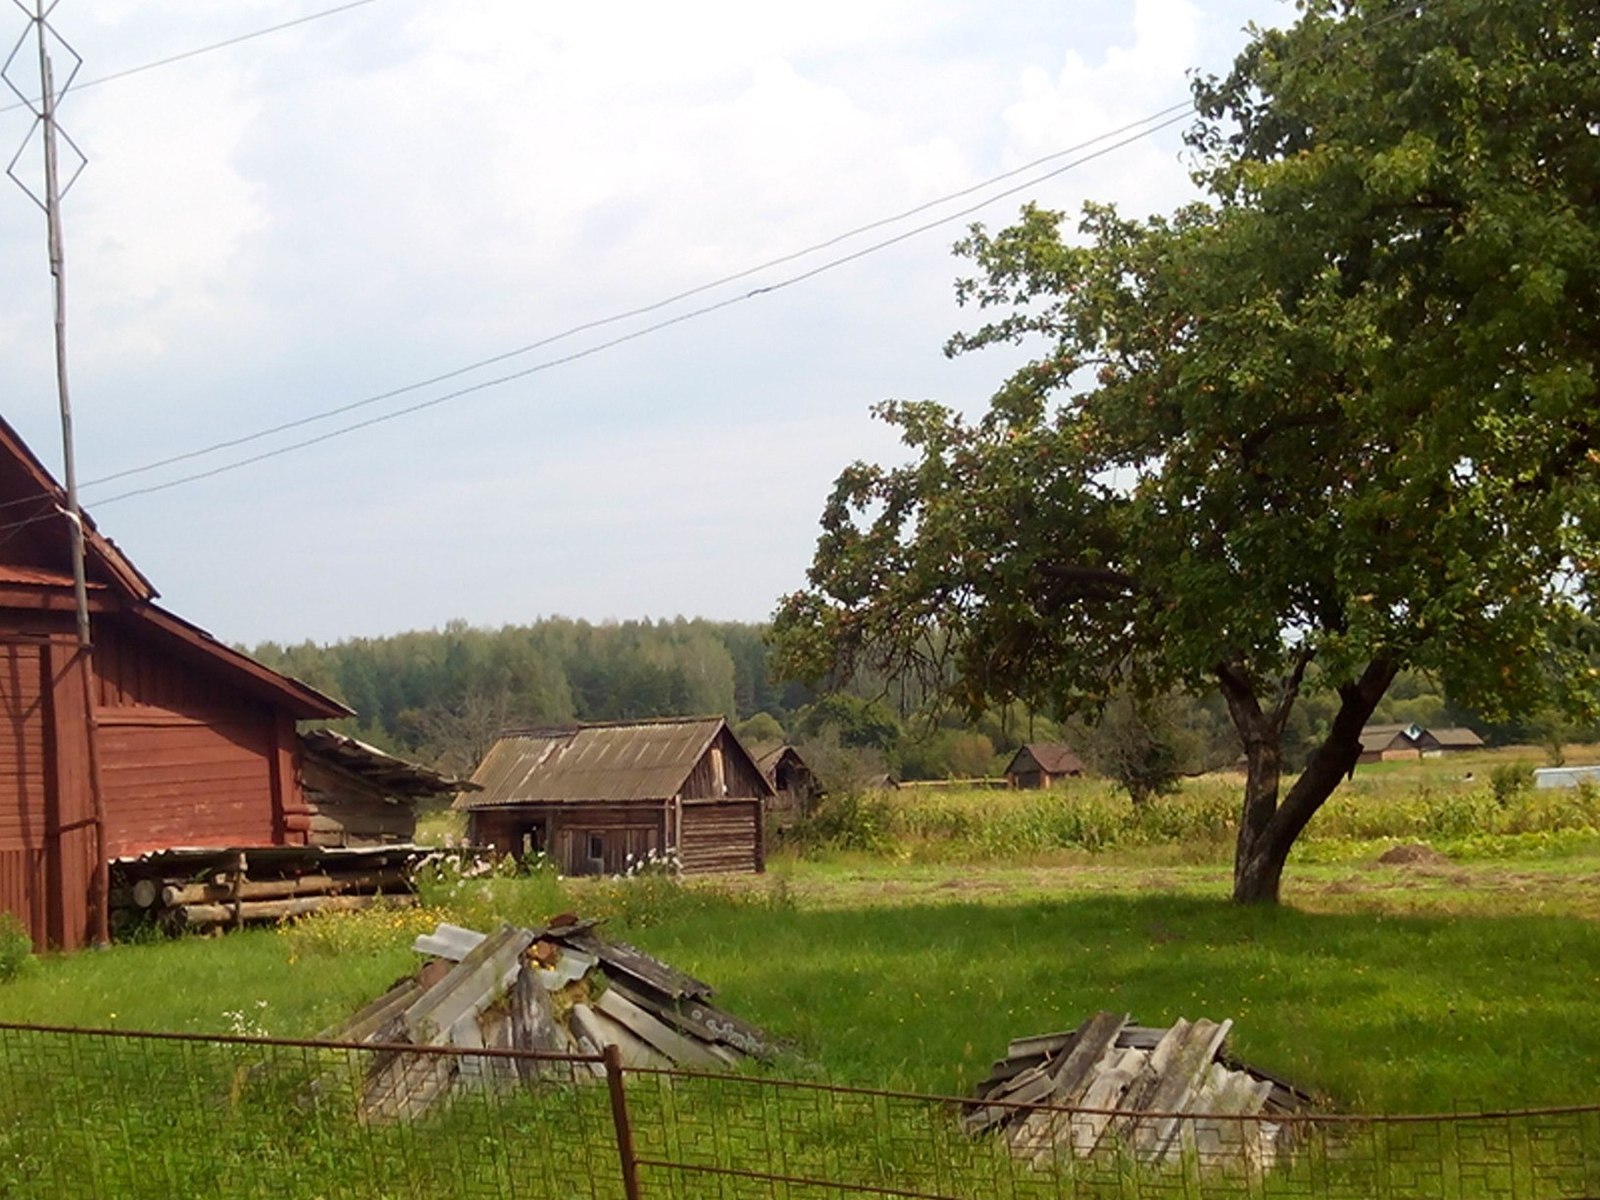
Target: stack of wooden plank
{"x": 561, "y": 988}
{"x": 1156, "y": 1094}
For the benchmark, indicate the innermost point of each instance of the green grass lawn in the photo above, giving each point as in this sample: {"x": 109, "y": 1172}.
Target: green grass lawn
{"x": 1385, "y": 989}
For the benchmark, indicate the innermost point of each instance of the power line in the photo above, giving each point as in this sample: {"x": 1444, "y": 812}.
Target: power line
{"x": 588, "y": 351}
{"x": 1184, "y": 107}
{"x": 1154, "y": 123}
{"x": 199, "y": 50}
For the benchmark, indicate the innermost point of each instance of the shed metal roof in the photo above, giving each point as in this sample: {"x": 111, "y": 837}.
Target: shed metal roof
{"x": 619, "y": 761}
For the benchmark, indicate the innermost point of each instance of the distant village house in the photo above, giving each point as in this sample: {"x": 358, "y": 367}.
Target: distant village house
{"x": 600, "y": 798}
{"x": 1388, "y": 743}
{"x": 795, "y": 787}
{"x": 1042, "y": 765}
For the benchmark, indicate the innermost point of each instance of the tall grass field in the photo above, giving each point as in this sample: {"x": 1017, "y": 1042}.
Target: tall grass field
{"x": 901, "y": 940}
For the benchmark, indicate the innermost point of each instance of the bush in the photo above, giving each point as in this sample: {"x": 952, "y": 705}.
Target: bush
{"x": 16, "y": 947}
{"x": 1510, "y": 780}
{"x": 849, "y": 820}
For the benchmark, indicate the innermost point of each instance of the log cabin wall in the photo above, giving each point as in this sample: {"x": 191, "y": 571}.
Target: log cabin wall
{"x": 348, "y": 811}
{"x": 186, "y": 760}
{"x": 582, "y": 839}
{"x": 722, "y": 835}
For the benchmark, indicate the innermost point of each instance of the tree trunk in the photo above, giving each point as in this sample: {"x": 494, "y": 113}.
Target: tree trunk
{"x": 1268, "y": 829}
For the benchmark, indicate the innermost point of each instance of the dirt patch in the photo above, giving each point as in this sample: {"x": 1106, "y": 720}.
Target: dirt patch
{"x": 1412, "y": 854}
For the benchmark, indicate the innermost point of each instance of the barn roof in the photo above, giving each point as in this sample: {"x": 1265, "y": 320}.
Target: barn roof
{"x": 1457, "y": 737}
{"x": 388, "y": 774}
{"x": 615, "y": 761}
{"x": 36, "y": 482}
{"x": 768, "y": 762}
{"x": 1376, "y": 738}
{"x": 1052, "y": 757}
{"x": 24, "y": 479}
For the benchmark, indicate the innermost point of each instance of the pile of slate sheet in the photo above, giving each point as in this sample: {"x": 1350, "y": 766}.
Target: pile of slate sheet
{"x": 1112, "y": 1086}
{"x": 562, "y": 988}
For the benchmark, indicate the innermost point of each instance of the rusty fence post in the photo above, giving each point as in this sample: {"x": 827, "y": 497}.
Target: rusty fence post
{"x": 619, "y": 1117}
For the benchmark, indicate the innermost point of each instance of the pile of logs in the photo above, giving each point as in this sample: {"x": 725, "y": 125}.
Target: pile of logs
{"x": 1155, "y": 1094}
{"x": 559, "y": 989}
{"x": 217, "y": 889}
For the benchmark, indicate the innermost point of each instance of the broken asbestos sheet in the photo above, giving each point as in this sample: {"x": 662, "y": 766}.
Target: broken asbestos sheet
{"x": 562, "y": 989}
{"x": 1155, "y": 1094}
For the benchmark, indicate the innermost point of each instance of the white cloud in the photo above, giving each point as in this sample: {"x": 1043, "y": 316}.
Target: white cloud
{"x": 365, "y": 200}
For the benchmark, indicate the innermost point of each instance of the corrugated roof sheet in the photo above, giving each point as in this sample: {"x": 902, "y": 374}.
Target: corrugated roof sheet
{"x": 1457, "y": 736}
{"x": 632, "y": 760}
{"x": 396, "y": 776}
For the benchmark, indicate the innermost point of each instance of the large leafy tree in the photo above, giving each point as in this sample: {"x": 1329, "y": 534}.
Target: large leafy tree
{"x": 1337, "y": 421}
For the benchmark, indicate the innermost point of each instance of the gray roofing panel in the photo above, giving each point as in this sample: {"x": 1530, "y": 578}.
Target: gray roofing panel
{"x": 644, "y": 760}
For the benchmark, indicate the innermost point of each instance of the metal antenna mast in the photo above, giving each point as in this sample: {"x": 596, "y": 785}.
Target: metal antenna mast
{"x": 48, "y": 197}
{"x": 41, "y": 32}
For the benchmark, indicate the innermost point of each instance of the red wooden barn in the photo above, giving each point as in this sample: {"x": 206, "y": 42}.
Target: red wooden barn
{"x": 195, "y": 742}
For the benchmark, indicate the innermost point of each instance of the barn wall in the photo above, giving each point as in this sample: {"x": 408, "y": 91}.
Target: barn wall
{"x": 722, "y": 836}
{"x": 46, "y": 807}
{"x": 24, "y": 835}
{"x": 185, "y": 760}
{"x": 347, "y": 811}
{"x": 564, "y": 830}
{"x": 741, "y": 776}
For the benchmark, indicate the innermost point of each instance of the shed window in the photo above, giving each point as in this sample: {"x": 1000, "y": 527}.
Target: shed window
{"x": 597, "y": 850}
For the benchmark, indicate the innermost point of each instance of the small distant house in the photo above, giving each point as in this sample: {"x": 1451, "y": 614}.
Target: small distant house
{"x": 1042, "y": 765}
{"x": 1387, "y": 743}
{"x": 360, "y": 796}
{"x": 598, "y": 798}
{"x": 795, "y": 786}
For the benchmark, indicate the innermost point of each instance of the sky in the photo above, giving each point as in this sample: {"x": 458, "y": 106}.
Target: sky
{"x": 384, "y": 196}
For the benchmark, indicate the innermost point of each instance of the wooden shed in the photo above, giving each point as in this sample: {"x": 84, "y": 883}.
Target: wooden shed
{"x": 1388, "y": 743}
{"x": 795, "y": 786}
{"x": 359, "y": 796}
{"x": 599, "y": 798}
{"x": 1042, "y": 765}
{"x": 194, "y": 742}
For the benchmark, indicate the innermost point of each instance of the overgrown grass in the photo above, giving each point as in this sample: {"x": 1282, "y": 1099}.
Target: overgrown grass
{"x": 1451, "y": 805}
{"x": 949, "y": 924}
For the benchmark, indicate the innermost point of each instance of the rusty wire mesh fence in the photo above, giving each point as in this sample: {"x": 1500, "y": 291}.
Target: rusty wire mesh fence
{"x": 111, "y": 1114}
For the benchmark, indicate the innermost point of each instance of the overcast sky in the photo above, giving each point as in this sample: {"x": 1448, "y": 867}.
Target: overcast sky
{"x": 394, "y": 192}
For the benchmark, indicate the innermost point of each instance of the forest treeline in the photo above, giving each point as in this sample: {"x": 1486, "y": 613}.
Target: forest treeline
{"x": 441, "y": 696}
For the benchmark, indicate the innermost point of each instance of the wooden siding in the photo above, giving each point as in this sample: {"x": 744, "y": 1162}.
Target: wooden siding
{"x": 186, "y": 760}
{"x": 721, "y": 836}
{"x": 176, "y": 782}
{"x": 46, "y": 824}
{"x": 23, "y": 833}
{"x": 739, "y": 774}
{"x": 130, "y": 673}
{"x": 563, "y": 832}
{"x": 347, "y": 811}
{"x": 22, "y": 746}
